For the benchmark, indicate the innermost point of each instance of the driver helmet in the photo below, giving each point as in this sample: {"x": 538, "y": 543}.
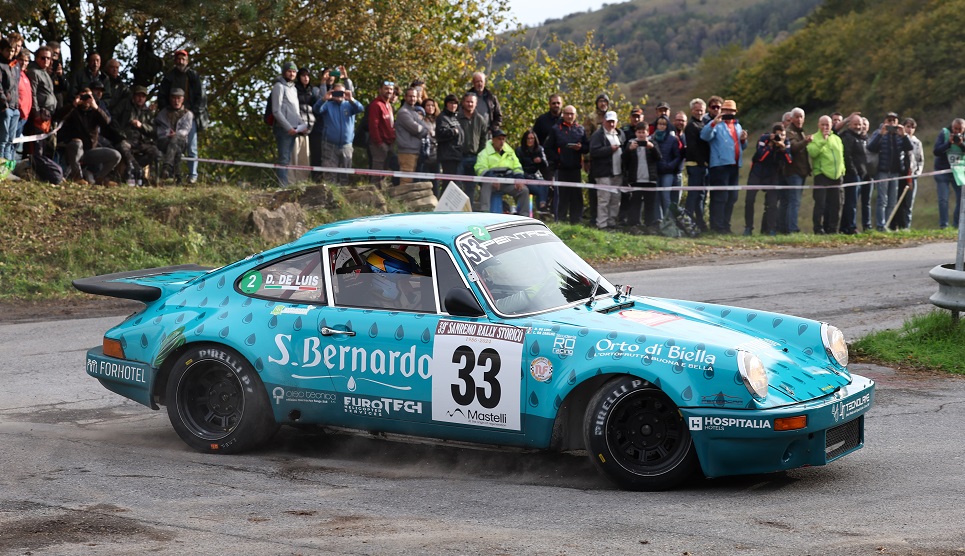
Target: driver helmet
{"x": 388, "y": 260}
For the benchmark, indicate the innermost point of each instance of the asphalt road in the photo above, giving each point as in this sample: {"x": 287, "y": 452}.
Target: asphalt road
{"x": 87, "y": 472}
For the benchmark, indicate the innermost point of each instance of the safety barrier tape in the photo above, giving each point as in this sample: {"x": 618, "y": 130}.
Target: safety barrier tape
{"x": 38, "y": 137}
{"x": 423, "y": 176}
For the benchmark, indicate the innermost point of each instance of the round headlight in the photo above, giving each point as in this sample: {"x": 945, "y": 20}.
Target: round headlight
{"x": 834, "y": 344}
{"x": 753, "y": 373}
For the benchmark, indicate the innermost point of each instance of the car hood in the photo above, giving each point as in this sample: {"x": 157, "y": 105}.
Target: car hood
{"x": 687, "y": 337}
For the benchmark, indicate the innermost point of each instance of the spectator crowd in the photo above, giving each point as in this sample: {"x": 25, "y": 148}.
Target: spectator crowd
{"x": 107, "y": 130}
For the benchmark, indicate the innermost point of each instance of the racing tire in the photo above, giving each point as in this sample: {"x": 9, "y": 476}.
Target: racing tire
{"x": 217, "y": 403}
{"x": 636, "y": 436}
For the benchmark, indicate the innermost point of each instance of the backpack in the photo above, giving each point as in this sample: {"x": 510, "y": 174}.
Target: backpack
{"x": 46, "y": 169}
{"x": 684, "y": 222}
{"x": 269, "y": 115}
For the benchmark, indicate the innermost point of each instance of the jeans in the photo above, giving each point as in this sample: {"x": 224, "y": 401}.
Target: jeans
{"x": 946, "y": 186}
{"x": 792, "y": 203}
{"x": 722, "y": 201}
{"x": 193, "y": 150}
{"x": 286, "y": 144}
{"x": 98, "y": 157}
{"x": 663, "y": 195}
{"x": 887, "y": 195}
{"x": 696, "y": 196}
{"x": 9, "y": 121}
{"x": 468, "y": 168}
{"x": 335, "y": 156}
{"x": 849, "y": 211}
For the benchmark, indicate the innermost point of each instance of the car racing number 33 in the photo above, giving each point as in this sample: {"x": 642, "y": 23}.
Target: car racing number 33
{"x": 476, "y": 374}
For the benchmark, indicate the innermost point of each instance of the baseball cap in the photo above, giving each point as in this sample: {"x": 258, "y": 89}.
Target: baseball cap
{"x": 610, "y": 116}
{"x": 663, "y": 105}
{"x": 499, "y": 133}
{"x": 177, "y": 92}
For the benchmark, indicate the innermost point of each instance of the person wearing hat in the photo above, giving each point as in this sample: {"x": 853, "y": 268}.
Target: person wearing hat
{"x": 174, "y": 124}
{"x": 499, "y": 160}
{"x": 727, "y": 142}
{"x": 183, "y": 77}
{"x": 288, "y": 124}
{"x": 135, "y": 120}
{"x": 662, "y": 109}
{"x": 449, "y": 136}
{"x": 890, "y": 142}
{"x": 98, "y": 88}
{"x": 606, "y": 168}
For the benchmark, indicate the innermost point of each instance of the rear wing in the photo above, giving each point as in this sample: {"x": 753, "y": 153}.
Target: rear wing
{"x": 135, "y": 284}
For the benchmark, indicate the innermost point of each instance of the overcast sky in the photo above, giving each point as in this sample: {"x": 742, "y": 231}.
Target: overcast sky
{"x": 534, "y": 12}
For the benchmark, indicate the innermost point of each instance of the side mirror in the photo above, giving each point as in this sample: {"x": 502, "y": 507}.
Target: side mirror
{"x": 460, "y": 302}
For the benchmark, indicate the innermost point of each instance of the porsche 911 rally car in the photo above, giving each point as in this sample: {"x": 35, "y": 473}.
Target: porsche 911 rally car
{"x": 481, "y": 328}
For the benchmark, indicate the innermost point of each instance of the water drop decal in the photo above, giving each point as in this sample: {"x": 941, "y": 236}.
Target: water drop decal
{"x": 738, "y": 379}
{"x": 571, "y": 379}
{"x": 724, "y": 313}
{"x": 646, "y": 359}
{"x": 259, "y": 365}
{"x": 183, "y": 303}
{"x": 203, "y": 302}
{"x": 223, "y": 315}
{"x": 224, "y": 302}
{"x": 247, "y": 301}
{"x": 618, "y": 355}
{"x": 332, "y": 233}
{"x": 670, "y": 343}
{"x": 199, "y": 330}
{"x": 416, "y": 232}
{"x": 709, "y": 372}
{"x": 298, "y": 324}
{"x": 699, "y": 308}
{"x": 557, "y": 403}
{"x": 641, "y": 339}
{"x": 138, "y": 320}
{"x": 144, "y": 341}
{"x": 751, "y": 316}
{"x": 123, "y": 342}
{"x": 777, "y": 322}
{"x": 248, "y": 318}
{"x": 273, "y": 321}
{"x": 584, "y": 331}
{"x": 250, "y": 340}
{"x": 678, "y": 366}
{"x": 179, "y": 319}
{"x": 373, "y": 230}
{"x": 751, "y": 405}
{"x": 591, "y": 353}
{"x": 224, "y": 332}
{"x": 534, "y": 348}
{"x": 799, "y": 380}
{"x": 351, "y": 384}
{"x": 533, "y": 400}
{"x": 157, "y": 319}
{"x": 399, "y": 333}
{"x": 611, "y": 336}
{"x": 700, "y": 347}
{"x": 426, "y": 336}
{"x": 801, "y": 328}
{"x": 687, "y": 394}
{"x": 555, "y": 328}
{"x": 420, "y": 315}
{"x": 221, "y": 282}
{"x": 374, "y": 330}
{"x": 808, "y": 351}
{"x": 342, "y": 309}
{"x": 201, "y": 285}
{"x": 730, "y": 353}
{"x": 201, "y": 315}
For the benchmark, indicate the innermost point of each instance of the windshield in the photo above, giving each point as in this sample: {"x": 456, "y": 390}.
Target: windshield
{"x": 527, "y": 269}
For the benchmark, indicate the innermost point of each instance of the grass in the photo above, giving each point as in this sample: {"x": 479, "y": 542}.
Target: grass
{"x": 930, "y": 341}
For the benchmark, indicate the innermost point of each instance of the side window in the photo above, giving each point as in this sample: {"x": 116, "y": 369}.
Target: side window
{"x": 448, "y": 275}
{"x": 394, "y": 277}
{"x": 296, "y": 279}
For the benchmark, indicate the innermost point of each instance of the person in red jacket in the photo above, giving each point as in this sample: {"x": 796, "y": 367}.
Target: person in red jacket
{"x": 381, "y": 126}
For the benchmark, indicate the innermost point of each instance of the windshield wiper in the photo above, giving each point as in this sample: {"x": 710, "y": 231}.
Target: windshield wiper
{"x": 596, "y": 286}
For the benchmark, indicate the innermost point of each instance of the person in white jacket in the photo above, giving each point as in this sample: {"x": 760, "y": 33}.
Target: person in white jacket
{"x": 288, "y": 122}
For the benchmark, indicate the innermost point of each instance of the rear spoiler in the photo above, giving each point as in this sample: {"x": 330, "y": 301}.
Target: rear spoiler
{"x": 112, "y": 285}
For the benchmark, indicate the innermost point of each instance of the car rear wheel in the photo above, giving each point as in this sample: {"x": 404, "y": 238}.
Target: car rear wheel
{"x": 217, "y": 402}
{"x": 637, "y": 437}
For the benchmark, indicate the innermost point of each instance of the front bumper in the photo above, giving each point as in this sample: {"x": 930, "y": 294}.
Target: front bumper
{"x": 739, "y": 442}
{"x": 131, "y": 379}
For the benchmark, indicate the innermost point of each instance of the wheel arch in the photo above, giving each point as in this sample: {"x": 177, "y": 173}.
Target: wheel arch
{"x": 159, "y": 388}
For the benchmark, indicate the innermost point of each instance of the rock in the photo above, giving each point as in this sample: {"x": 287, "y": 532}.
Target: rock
{"x": 319, "y": 196}
{"x": 368, "y": 195}
{"x": 281, "y": 225}
{"x": 416, "y": 196}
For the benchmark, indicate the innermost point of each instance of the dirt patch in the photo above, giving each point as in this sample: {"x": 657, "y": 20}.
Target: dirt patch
{"x": 93, "y": 526}
{"x": 71, "y": 308}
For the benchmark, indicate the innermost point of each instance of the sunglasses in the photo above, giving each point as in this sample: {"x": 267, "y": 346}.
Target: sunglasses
{"x": 43, "y": 57}
{"x": 714, "y": 107}
{"x": 389, "y": 83}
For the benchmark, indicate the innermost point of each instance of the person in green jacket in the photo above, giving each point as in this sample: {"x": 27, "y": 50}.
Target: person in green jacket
{"x": 827, "y": 163}
{"x": 498, "y": 160}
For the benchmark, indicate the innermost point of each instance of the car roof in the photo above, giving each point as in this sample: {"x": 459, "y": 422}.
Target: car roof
{"x": 439, "y": 226}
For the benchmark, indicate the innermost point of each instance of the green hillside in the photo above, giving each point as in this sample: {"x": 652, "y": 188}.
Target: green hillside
{"x": 656, "y": 36}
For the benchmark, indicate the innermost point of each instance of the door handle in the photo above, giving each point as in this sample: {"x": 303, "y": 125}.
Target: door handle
{"x": 326, "y": 331}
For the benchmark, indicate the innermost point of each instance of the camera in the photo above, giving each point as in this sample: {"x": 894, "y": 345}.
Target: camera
{"x": 338, "y": 94}
{"x": 892, "y": 128}
{"x": 85, "y": 96}
{"x": 956, "y": 138}
{"x": 335, "y": 73}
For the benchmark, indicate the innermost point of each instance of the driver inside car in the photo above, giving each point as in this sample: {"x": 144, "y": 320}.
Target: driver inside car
{"x": 394, "y": 279}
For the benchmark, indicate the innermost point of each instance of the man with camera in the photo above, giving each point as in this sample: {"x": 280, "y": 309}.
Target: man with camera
{"x": 891, "y": 144}
{"x": 336, "y": 113}
{"x": 83, "y": 123}
{"x": 727, "y": 142}
{"x": 949, "y": 148}
{"x": 772, "y": 156}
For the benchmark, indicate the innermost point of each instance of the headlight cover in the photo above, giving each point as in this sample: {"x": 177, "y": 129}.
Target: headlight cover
{"x": 753, "y": 374}
{"x": 834, "y": 343}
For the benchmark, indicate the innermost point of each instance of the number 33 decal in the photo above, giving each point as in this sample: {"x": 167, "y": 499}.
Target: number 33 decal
{"x": 465, "y": 393}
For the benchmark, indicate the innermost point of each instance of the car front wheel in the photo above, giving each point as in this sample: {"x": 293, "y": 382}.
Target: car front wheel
{"x": 217, "y": 402}
{"x": 637, "y": 437}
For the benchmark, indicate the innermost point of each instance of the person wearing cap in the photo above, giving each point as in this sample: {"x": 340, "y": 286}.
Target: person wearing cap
{"x": 449, "y": 136}
{"x": 891, "y": 143}
{"x": 183, "y": 77}
{"x": 135, "y": 120}
{"x": 727, "y": 142}
{"x": 174, "y": 124}
{"x": 336, "y": 113}
{"x": 606, "y": 168}
{"x": 98, "y": 88}
{"x": 499, "y": 160}
{"x": 663, "y": 109}
{"x": 83, "y": 122}
{"x": 288, "y": 122}
{"x": 410, "y": 129}
{"x": 307, "y": 95}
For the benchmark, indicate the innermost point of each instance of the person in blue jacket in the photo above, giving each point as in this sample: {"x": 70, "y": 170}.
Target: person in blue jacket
{"x": 727, "y": 142}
